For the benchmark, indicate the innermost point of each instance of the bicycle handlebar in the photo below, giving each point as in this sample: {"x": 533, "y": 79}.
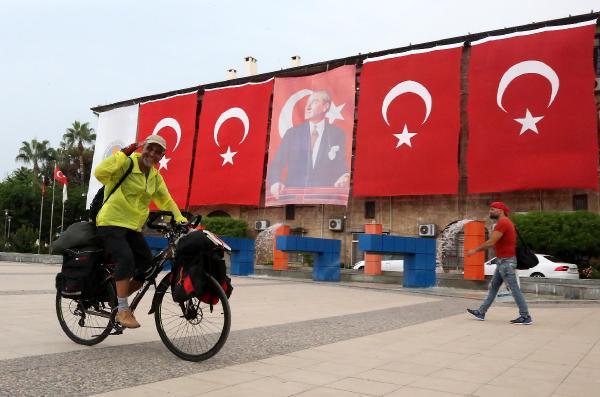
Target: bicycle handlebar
{"x": 172, "y": 225}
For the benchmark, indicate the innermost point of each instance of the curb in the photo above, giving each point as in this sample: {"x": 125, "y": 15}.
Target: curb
{"x": 31, "y": 258}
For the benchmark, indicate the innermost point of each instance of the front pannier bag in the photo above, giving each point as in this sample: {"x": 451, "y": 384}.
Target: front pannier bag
{"x": 195, "y": 256}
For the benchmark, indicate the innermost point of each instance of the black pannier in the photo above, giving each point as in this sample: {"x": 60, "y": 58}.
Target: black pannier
{"x": 77, "y": 276}
{"x": 196, "y": 255}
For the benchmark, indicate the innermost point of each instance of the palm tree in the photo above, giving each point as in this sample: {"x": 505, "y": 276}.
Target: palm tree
{"x": 35, "y": 153}
{"x": 80, "y": 134}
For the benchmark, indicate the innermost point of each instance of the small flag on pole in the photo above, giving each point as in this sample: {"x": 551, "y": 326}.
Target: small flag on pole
{"x": 59, "y": 176}
{"x": 43, "y": 185}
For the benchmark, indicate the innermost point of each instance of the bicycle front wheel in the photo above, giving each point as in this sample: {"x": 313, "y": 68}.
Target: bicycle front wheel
{"x": 192, "y": 330}
{"x": 87, "y": 321}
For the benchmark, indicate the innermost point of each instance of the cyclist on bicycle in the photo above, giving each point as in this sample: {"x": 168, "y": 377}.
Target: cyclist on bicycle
{"x": 121, "y": 218}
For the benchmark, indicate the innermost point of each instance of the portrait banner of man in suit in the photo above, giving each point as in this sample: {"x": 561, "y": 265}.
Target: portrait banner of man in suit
{"x": 311, "y": 139}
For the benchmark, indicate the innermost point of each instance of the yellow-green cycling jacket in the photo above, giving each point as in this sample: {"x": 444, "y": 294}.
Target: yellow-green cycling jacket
{"x": 128, "y": 205}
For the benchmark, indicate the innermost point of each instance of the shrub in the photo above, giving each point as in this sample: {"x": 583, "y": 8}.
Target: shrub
{"x": 571, "y": 236}
{"x": 24, "y": 239}
{"x": 308, "y": 259}
{"x": 226, "y": 227}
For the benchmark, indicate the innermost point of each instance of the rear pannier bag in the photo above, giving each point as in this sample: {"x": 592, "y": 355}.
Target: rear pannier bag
{"x": 76, "y": 276}
{"x": 196, "y": 255}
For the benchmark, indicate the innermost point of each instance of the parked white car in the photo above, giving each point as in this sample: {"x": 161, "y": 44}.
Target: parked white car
{"x": 389, "y": 263}
{"x": 548, "y": 266}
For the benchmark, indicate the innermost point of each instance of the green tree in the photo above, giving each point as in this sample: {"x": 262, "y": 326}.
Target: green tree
{"x": 573, "y": 236}
{"x": 35, "y": 153}
{"x": 23, "y": 204}
{"x": 17, "y": 196}
{"x": 77, "y": 136}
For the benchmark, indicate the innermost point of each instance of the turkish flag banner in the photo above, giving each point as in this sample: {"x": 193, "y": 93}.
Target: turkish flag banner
{"x": 409, "y": 124}
{"x": 172, "y": 118}
{"x": 532, "y": 111}
{"x": 59, "y": 176}
{"x": 311, "y": 139}
{"x": 230, "y": 149}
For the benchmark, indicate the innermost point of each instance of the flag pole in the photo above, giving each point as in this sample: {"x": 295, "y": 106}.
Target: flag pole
{"x": 52, "y": 213}
{"x": 41, "y": 213}
{"x": 62, "y": 217}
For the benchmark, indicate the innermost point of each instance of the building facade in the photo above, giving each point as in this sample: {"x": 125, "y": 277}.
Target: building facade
{"x": 403, "y": 215}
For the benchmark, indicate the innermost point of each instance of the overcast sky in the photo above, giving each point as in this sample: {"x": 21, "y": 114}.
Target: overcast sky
{"x": 59, "y": 58}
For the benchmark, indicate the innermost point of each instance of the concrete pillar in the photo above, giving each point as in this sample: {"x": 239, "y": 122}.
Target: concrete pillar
{"x": 474, "y": 236}
{"x": 280, "y": 258}
{"x": 373, "y": 261}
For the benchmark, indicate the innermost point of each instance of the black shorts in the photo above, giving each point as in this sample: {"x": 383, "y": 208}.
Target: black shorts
{"x": 128, "y": 249}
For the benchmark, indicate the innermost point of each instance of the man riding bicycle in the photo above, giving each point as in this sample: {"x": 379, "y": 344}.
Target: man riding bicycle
{"x": 121, "y": 218}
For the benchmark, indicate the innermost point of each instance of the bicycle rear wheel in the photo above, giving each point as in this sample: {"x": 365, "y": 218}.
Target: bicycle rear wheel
{"x": 192, "y": 330}
{"x": 87, "y": 321}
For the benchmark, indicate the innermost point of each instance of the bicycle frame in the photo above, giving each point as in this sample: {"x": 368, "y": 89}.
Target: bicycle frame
{"x": 158, "y": 264}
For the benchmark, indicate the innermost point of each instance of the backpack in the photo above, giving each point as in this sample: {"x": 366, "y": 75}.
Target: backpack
{"x": 98, "y": 200}
{"x": 526, "y": 259}
{"x": 195, "y": 257}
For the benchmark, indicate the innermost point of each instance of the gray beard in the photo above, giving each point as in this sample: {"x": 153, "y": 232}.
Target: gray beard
{"x": 147, "y": 162}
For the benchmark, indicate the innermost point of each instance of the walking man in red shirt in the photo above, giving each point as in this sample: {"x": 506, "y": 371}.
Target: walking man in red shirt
{"x": 504, "y": 241}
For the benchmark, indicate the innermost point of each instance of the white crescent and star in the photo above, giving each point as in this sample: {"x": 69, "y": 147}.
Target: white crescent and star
{"x": 228, "y": 156}
{"x": 404, "y": 137}
{"x": 407, "y": 86}
{"x": 167, "y": 122}
{"x": 285, "y": 117}
{"x": 335, "y": 112}
{"x": 60, "y": 174}
{"x": 285, "y": 121}
{"x": 528, "y": 122}
{"x": 237, "y": 113}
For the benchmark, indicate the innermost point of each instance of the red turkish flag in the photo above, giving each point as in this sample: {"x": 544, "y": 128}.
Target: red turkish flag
{"x": 59, "y": 176}
{"x": 174, "y": 119}
{"x": 303, "y": 169}
{"x": 532, "y": 114}
{"x": 230, "y": 150}
{"x": 409, "y": 124}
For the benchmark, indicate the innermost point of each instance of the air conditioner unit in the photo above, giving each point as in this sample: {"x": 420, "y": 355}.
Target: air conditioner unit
{"x": 336, "y": 224}
{"x": 261, "y": 225}
{"x": 428, "y": 230}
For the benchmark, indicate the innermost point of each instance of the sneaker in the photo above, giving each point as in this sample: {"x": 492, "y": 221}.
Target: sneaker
{"x": 126, "y": 319}
{"x": 478, "y": 315}
{"x": 522, "y": 320}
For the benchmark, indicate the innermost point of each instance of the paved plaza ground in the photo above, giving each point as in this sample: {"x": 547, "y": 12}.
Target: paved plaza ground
{"x": 301, "y": 338}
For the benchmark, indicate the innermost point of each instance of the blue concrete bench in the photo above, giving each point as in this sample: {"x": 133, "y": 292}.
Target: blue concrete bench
{"x": 419, "y": 256}
{"x": 242, "y": 255}
{"x": 326, "y": 266}
{"x": 156, "y": 245}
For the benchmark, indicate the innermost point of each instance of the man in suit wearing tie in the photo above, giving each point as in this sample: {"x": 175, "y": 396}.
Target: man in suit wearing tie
{"x": 314, "y": 152}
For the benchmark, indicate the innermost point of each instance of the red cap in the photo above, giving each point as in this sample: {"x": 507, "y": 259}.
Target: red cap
{"x": 501, "y": 206}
